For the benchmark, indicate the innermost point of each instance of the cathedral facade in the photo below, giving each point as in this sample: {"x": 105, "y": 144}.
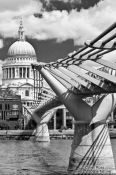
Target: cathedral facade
{"x": 17, "y": 71}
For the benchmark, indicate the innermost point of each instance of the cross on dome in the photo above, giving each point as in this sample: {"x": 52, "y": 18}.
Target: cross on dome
{"x": 21, "y": 35}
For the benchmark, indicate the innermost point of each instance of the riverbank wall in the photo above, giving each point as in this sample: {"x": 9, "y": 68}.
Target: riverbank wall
{"x": 29, "y": 134}
{"x": 54, "y": 134}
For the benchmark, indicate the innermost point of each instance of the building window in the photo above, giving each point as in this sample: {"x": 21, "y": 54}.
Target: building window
{"x": 6, "y": 73}
{"x": 27, "y": 72}
{"x": 4, "y": 115}
{"x": 24, "y": 72}
{"x": 0, "y": 106}
{"x": 26, "y": 93}
{"x": 20, "y": 72}
{"x": 13, "y": 72}
{"x": 7, "y": 107}
{"x": 9, "y": 72}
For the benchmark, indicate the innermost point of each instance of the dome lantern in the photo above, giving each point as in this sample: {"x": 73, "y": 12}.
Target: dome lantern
{"x": 21, "y": 31}
{"x": 21, "y": 47}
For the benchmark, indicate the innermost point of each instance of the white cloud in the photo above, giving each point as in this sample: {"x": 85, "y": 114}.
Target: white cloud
{"x": 9, "y": 17}
{"x": 60, "y": 25}
{"x": 79, "y": 26}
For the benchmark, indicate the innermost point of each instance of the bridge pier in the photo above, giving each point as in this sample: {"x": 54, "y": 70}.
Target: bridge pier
{"x": 42, "y": 133}
{"x": 91, "y": 151}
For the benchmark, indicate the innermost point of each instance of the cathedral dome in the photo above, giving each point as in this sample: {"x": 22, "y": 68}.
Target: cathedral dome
{"x": 21, "y": 47}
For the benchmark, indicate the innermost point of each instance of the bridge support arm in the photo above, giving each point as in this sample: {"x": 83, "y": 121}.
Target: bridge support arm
{"x": 39, "y": 112}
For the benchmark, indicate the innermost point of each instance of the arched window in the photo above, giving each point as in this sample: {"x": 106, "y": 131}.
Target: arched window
{"x": 26, "y": 93}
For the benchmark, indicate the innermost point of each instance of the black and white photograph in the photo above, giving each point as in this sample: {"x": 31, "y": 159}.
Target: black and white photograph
{"x": 57, "y": 87}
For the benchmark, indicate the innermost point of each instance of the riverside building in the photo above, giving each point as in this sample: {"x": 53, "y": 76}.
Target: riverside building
{"x": 10, "y": 111}
{"x": 17, "y": 70}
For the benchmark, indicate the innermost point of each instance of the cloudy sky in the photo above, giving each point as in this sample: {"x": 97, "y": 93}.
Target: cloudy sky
{"x": 54, "y": 27}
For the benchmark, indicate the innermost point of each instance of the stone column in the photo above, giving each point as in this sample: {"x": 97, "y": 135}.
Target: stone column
{"x": 4, "y": 74}
{"x": 73, "y": 123}
{"x": 22, "y": 72}
{"x": 55, "y": 121}
{"x": 42, "y": 133}
{"x": 19, "y": 69}
{"x": 11, "y": 72}
{"x": 64, "y": 117}
{"x": 26, "y": 73}
{"x": 3, "y": 70}
{"x": 8, "y": 73}
{"x": 16, "y": 72}
{"x": 31, "y": 73}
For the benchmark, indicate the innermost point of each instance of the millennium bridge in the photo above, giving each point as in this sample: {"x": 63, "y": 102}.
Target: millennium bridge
{"x": 72, "y": 80}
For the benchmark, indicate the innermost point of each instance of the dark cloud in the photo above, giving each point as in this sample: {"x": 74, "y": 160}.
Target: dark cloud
{"x": 7, "y": 42}
{"x": 68, "y": 5}
{"x": 38, "y": 15}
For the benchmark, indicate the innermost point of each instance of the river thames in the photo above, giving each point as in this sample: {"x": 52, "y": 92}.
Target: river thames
{"x": 33, "y": 158}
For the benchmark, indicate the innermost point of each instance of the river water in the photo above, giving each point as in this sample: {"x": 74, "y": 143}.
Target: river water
{"x": 33, "y": 158}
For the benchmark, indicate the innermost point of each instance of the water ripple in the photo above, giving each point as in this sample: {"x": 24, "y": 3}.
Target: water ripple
{"x": 32, "y": 158}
